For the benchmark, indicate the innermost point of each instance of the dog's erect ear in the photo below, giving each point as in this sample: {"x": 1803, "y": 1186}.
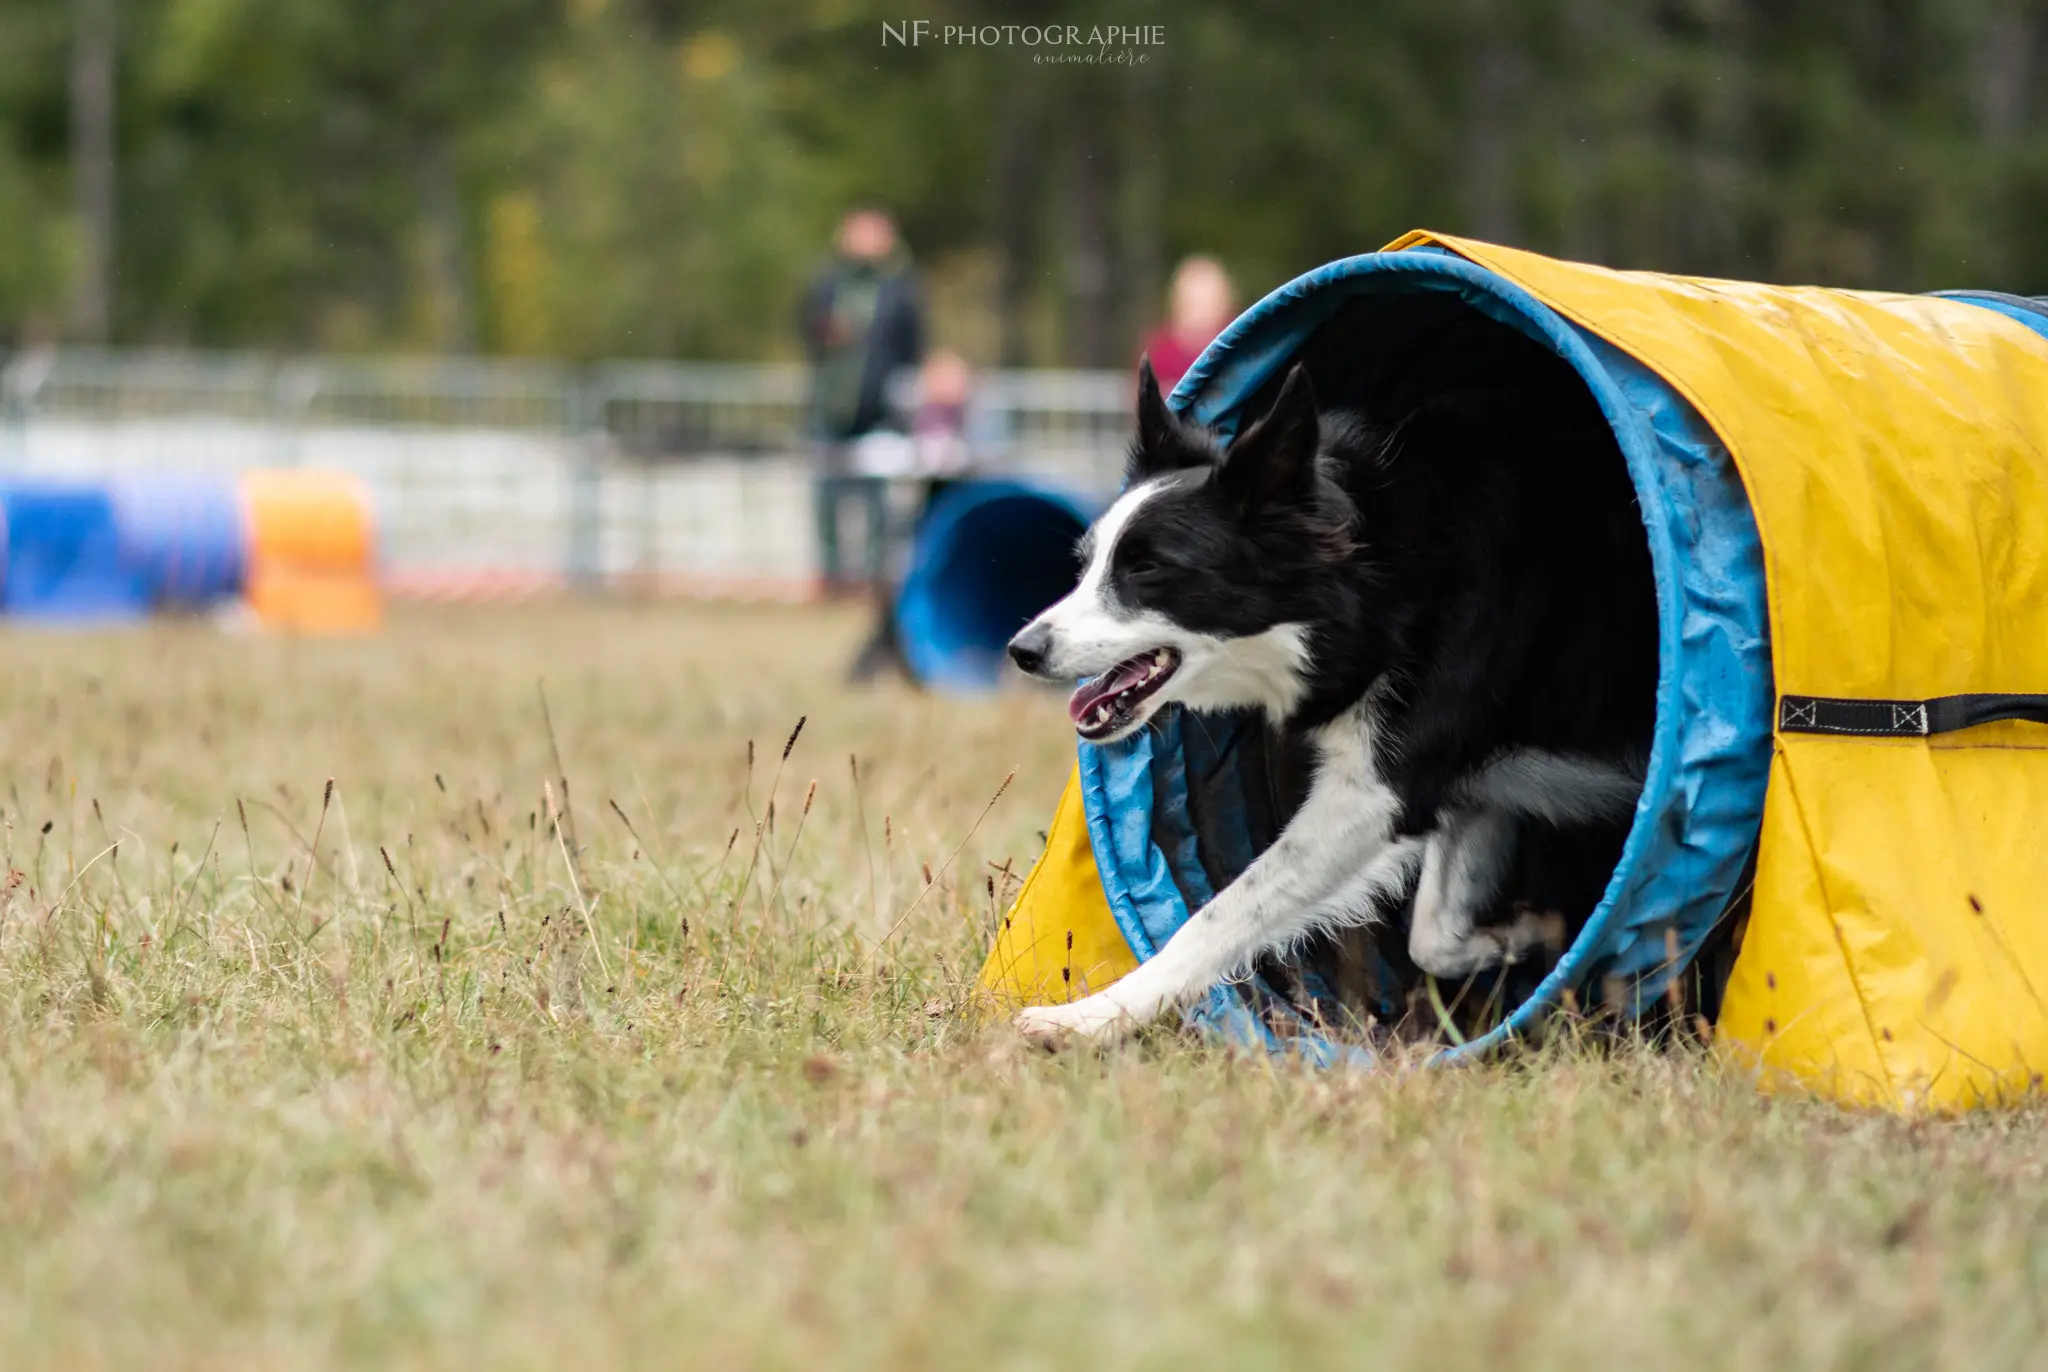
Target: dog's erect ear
{"x": 1156, "y": 426}
{"x": 1164, "y": 444}
{"x": 1274, "y": 461}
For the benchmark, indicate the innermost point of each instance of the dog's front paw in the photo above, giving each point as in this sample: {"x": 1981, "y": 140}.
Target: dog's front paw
{"x": 1092, "y": 1018}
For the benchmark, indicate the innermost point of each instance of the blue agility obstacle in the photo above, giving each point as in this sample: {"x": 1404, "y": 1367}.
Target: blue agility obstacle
{"x": 64, "y": 559}
{"x": 185, "y": 536}
{"x": 987, "y": 556}
{"x": 88, "y": 550}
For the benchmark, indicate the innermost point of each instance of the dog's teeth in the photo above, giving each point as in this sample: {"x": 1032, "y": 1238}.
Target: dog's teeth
{"x": 1160, "y": 660}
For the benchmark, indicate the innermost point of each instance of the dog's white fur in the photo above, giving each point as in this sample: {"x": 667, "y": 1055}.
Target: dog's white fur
{"x": 1340, "y": 855}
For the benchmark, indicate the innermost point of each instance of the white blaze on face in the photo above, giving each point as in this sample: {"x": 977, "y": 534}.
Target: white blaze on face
{"x": 1092, "y": 632}
{"x": 1102, "y": 540}
{"x": 1091, "y": 629}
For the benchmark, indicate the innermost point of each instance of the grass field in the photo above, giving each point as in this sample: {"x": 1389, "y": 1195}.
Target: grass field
{"x": 360, "y": 1085}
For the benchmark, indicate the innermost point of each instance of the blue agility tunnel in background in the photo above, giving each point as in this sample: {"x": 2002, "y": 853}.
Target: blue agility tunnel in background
{"x": 64, "y": 554}
{"x": 987, "y": 557}
{"x": 185, "y": 536}
{"x": 86, "y": 550}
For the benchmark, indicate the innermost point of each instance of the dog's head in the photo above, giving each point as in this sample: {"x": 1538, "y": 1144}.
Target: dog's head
{"x": 1205, "y": 581}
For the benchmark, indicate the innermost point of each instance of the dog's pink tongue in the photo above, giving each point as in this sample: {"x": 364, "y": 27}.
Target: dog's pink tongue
{"x": 1092, "y": 693}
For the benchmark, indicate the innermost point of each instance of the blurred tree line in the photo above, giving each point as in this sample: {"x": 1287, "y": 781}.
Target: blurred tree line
{"x": 655, "y": 177}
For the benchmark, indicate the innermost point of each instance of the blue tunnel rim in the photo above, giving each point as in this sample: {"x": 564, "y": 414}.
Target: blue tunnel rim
{"x": 1267, "y": 337}
{"x": 934, "y": 542}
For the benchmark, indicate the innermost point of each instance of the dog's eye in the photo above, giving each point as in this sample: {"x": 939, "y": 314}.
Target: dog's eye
{"x": 1140, "y": 566}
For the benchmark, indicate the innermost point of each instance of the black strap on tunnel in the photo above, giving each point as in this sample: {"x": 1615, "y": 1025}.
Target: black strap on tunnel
{"x": 1904, "y": 718}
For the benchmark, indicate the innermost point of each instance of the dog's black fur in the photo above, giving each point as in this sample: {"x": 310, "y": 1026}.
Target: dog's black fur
{"x": 1472, "y": 555}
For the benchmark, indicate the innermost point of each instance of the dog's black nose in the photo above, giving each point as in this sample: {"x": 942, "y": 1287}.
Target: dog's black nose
{"x": 1028, "y": 649}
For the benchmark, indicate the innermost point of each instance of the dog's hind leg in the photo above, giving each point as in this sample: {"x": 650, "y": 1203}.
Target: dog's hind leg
{"x": 1467, "y": 858}
{"x": 1329, "y": 866}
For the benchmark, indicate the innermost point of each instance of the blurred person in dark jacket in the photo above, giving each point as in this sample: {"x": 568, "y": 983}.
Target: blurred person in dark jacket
{"x": 862, "y": 323}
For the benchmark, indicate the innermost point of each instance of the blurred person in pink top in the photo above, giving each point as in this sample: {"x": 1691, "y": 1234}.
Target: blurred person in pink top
{"x": 1201, "y": 303}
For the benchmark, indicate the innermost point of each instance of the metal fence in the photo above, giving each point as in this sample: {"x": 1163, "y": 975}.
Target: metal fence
{"x": 504, "y": 477}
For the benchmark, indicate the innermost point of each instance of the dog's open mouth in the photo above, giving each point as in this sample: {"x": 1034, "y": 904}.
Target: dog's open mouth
{"x": 1107, "y": 704}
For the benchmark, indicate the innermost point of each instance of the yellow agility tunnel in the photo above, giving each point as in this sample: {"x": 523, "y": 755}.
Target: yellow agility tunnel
{"x": 1846, "y": 501}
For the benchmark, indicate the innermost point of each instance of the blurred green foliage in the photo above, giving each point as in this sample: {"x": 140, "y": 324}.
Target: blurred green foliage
{"x": 655, "y": 177}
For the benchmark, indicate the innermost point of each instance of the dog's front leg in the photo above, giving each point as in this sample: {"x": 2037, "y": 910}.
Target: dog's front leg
{"x": 1337, "y": 855}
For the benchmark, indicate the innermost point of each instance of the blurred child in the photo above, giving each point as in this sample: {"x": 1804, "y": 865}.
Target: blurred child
{"x": 940, "y": 429}
{"x": 949, "y": 434}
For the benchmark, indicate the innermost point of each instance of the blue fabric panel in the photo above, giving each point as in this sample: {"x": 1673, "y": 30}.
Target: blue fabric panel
{"x": 1210, "y": 749}
{"x": 1116, "y": 790}
{"x": 184, "y": 536}
{"x": 1173, "y": 827}
{"x": 1702, "y": 798}
{"x": 64, "y": 558}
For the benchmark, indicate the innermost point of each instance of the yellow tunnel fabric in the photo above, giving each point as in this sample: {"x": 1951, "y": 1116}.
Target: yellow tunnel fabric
{"x": 1895, "y": 452}
{"x": 1059, "y": 940}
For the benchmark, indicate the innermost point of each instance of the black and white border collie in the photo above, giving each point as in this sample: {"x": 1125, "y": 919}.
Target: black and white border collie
{"x": 1454, "y": 608}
